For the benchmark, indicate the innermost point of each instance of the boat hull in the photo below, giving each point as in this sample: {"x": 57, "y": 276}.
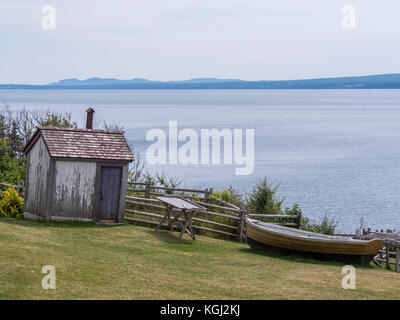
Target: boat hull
{"x": 281, "y": 240}
{"x": 345, "y": 258}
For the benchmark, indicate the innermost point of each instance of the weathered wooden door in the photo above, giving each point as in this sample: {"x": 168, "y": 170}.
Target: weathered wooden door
{"x": 110, "y": 186}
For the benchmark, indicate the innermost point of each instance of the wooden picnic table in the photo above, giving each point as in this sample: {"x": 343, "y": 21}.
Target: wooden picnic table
{"x": 186, "y": 207}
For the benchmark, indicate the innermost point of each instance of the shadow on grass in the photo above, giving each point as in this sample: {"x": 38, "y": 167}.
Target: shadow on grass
{"x": 51, "y": 224}
{"x": 296, "y": 258}
{"x": 170, "y": 237}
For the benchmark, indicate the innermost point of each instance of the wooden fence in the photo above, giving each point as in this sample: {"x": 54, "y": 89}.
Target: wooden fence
{"x": 19, "y": 188}
{"x": 223, "y": 218}
{"x": 232, "y": 226}
{"x": 152, "y": 210}
{"x": 389, "y": 255}
{"x": 151, "y": 190}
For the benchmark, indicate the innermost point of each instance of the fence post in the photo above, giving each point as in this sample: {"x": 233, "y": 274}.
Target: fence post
{"x": 147, "y": 189}
{"x": 387, "y": 256}
{"x": 298, "y": 221}
{"x": 397, "y": 258}
{"x": 207, "y": 193}
{"x": 20, "y": 188}
{"x": 242, "y": 221}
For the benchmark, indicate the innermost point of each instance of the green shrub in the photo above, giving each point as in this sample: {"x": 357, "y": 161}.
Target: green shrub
{"x": 295, "y": 211}
{"x": 11, "y": 204}
{"x": 327, "y": 225}
{"x": 263, "y": 199}
{"x": 12, "y": 170}
{"x": 163, "y": 180}
{"x": 229, "y": 195}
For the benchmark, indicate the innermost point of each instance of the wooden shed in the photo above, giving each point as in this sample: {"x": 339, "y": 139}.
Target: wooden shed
{"x": 76, "y": 174}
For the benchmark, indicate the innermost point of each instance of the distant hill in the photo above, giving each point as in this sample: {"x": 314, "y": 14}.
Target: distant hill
{"x": 383, "y": 81}
{"x": 97, "y": 82}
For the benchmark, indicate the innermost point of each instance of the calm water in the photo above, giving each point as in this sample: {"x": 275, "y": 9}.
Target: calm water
{"x": 333, "y": 151}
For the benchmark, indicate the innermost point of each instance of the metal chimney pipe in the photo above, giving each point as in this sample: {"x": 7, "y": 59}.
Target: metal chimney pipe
{"x": 89, "y": 118}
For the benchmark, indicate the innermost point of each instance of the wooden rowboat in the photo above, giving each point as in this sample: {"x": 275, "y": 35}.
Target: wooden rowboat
{"x": 278, "y": 239}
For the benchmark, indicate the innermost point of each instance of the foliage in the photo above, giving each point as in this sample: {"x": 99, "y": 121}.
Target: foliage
{"x": 163, "y": 180}
{"x": 327, "y": 225}
{"x": 11, "y": 204}
{"x": 166, "y": 181}
{"x": 58, "y": 120}
{"x": 229, "y": 195}
{"x": 295, "y": 211}
{"x": 109, "y": 126}
{"x": 17, "y": 126}
{"x": 262, "y": 193}
{"x": 12, "y": 170}
{"x": 135, "y": 173}
{"x": 263, "y": 199}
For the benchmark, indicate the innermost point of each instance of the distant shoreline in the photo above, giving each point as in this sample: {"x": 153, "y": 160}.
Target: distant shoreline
{"x": 194, "y": 88}
{"x": 186, "y": 88}
{"x": 384, "y": 81}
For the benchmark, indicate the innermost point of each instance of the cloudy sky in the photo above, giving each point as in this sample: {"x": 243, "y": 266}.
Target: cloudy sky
{"x": 182, "y": 39}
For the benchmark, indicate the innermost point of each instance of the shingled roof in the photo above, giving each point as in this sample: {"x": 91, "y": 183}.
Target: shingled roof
{"x": 83, "y": 143}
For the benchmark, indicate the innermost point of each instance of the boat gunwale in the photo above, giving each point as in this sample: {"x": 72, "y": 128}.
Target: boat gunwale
{"x": 269, "y": 228}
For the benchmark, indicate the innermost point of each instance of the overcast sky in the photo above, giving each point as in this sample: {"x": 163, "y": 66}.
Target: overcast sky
{"x": 183, "y": 39}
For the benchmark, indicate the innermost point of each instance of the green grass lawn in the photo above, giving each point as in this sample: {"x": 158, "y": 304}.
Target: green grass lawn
{"x": 131, "y": 262}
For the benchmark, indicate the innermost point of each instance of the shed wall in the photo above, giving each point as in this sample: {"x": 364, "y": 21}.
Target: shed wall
{"x": 37, "y": 179}
{"x": 74, "y": 189}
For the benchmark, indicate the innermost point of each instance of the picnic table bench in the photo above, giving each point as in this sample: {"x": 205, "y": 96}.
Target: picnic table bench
{"x": 184, "y": 206}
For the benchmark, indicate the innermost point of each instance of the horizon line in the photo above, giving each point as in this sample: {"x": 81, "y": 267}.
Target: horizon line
{"x": 55, "y": 83}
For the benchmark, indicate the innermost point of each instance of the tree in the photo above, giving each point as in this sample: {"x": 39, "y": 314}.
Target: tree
{"x": 18, "y": 126}
{"x": 263, "y": 199}
{"x": 12, "y": 170}
{"x": 58, "y": 120}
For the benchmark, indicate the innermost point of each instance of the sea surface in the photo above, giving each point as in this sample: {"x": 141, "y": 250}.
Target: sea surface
{"x": 333, "y": 152}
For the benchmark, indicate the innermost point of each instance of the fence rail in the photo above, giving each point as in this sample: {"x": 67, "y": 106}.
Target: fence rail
{"x": 389, "y": 254}
{"x": 223, "y": 218}
{"x": 147, "y": 188}
{"x": 229, "y": 226}
{"x": 19, "y": 188}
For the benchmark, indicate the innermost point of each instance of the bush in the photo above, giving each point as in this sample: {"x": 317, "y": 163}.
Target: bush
{"x": 12, "y": 170}
{"x": 162, "y": 180}
{"x": 263, "y": 199}
{"x": 327, "y": 225}
{"x": 229, "y": 195}
{"x": 11, "y": 204}
{"x": 295, "y": 211}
